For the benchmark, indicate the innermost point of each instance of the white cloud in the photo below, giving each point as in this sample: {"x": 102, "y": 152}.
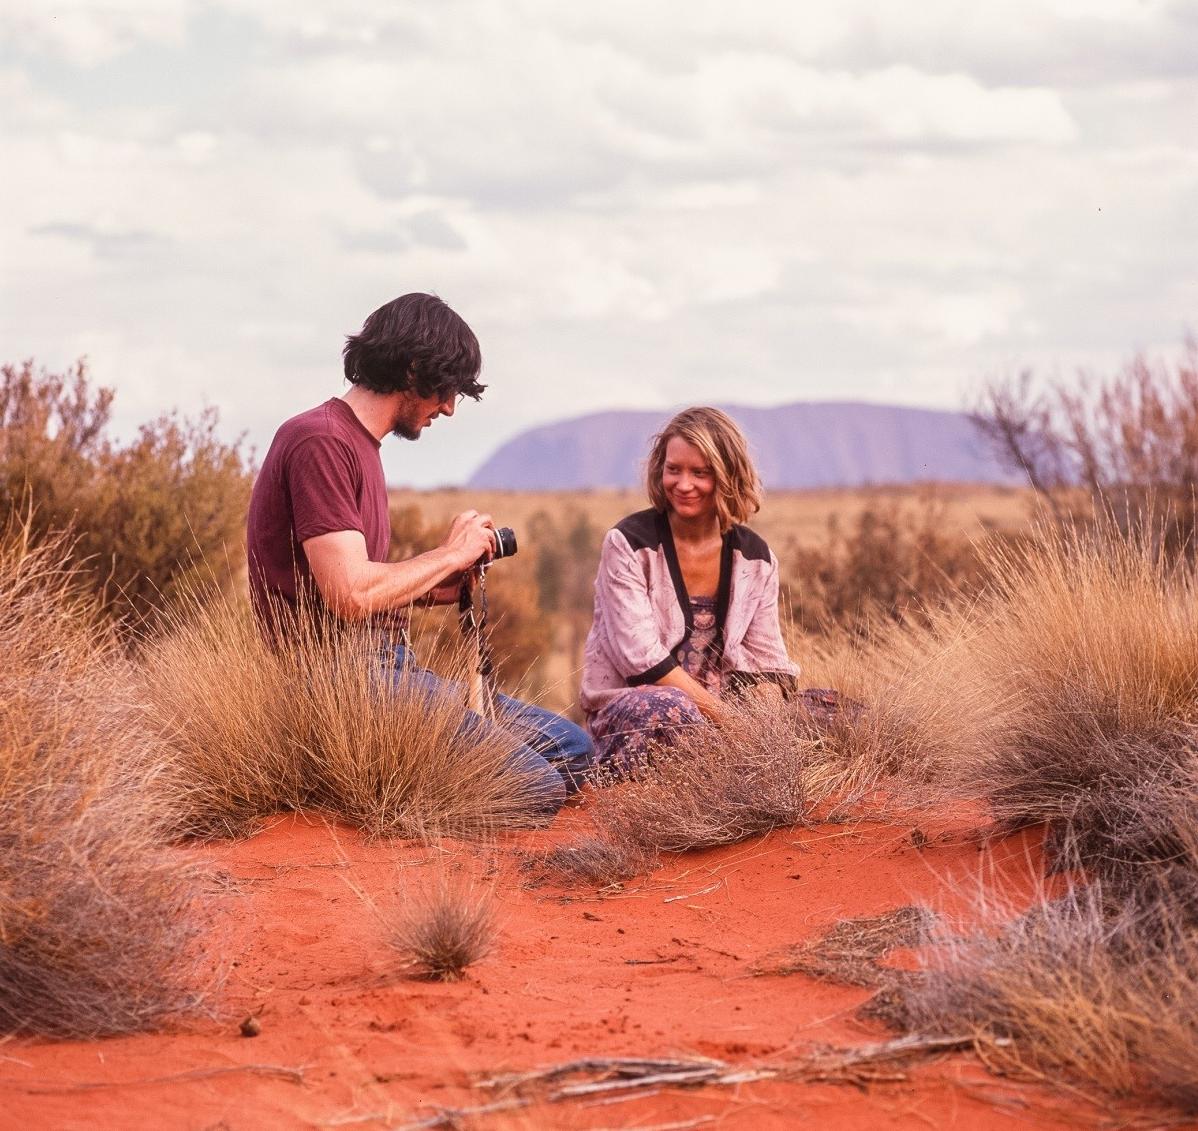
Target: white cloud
{"x": 86, "y": 32}
{"x": 632, "y": 204}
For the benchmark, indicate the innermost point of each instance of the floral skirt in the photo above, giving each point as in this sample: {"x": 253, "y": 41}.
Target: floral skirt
{"x": 626, "y": 731}
{"x": 642, "y": 719}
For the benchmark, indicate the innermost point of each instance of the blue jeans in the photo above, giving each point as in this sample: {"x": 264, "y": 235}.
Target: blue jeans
{"x": 556, "y": 755}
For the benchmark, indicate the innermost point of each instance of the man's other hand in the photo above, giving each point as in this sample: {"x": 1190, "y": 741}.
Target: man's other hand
{"x": 448, "y": 592}
{"x": 471, "y": 537}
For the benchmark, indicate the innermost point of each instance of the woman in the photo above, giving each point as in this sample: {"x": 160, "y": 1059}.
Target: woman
{"x": 686, "y": 598}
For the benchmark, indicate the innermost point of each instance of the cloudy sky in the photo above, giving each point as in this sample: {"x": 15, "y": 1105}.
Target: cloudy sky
{"x": 633, "y": 204}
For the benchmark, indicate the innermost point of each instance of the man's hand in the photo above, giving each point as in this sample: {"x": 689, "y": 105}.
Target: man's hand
{"x": 471, "y": 537}
{"x": 450, "y": 589}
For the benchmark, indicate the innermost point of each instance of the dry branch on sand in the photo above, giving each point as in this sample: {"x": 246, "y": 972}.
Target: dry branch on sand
{"x": 321, "y": 723}
{"x": 596, "y": 1076}
{"x": 97, "y": 923}
{"x": 592, "y": 860}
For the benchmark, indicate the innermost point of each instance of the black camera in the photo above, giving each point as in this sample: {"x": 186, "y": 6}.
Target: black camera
{"x": 504, "y": 542}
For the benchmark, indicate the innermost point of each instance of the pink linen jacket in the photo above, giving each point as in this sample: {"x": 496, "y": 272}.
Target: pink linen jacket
{"x": 642, "y": 611}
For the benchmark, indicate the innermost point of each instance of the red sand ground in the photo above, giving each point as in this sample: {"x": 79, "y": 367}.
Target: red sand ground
{"x": 659, "y": 968}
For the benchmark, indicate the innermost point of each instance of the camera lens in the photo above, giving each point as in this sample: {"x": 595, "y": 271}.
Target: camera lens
{"x": 505, "y": 542}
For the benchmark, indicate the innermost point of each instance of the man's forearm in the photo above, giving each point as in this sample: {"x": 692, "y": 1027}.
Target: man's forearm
{"x": 355, "y": 587}
{"x": 379, "y": 586}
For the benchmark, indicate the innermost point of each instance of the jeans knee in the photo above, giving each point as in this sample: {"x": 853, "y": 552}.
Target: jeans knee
{"x": 574, "y": 741}
{"x": 541, "y": 785}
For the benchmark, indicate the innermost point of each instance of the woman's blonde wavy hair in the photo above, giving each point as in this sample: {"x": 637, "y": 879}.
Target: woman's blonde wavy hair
{"x": 738, "y": 489}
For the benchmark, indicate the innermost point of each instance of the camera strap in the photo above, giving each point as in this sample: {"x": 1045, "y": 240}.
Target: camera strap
{"x": 481, "y": 691}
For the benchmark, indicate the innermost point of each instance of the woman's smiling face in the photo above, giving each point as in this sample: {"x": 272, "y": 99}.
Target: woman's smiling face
{"x": 688, "y": 480}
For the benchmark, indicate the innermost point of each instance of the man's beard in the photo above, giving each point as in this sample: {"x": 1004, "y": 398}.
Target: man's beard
{"x": 405, "y": 431}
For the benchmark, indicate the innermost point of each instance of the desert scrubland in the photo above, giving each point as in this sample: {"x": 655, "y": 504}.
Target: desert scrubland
{"x": 240, "y": 889}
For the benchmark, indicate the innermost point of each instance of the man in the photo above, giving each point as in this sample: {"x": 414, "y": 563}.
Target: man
{"x": 319, "y": 524}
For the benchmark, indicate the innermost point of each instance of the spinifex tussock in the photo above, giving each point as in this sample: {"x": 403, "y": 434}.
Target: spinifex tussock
{"x": 97, "y": 928}
{"x": 919, "y": 714}
{"x": 444, "y": 927}
{"x": 1073, "y": 683}
{"x": 1081, "y": 989}
{"x": 1092, "y": 646}
{"x": 322, "y": 721}
{"x": 715, "y": 785}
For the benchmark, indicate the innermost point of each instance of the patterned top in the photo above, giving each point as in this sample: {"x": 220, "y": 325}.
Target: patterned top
{"x": 643, "y": 611}
{"x": 696, "y": 655}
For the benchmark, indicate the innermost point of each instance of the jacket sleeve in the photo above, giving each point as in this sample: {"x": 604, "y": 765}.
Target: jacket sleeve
{"x": 626, "y": 616}
{"x": 763, "y": 645}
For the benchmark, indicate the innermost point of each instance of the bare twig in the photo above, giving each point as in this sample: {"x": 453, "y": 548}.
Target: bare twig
{"x": 282, "y": 1072}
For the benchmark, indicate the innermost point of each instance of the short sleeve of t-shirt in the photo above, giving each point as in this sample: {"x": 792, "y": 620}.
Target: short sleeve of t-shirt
{"x": 325, "y": 484}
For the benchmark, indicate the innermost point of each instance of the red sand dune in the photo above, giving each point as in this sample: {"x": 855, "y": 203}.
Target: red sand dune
{"x": 660, "y": 967}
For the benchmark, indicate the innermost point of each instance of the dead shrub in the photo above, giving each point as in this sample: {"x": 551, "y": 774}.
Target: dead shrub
{"x": 444, "y": 927}
{"x": 894, "y": 563}
{"x": 319, "y": 724}
{"x": 97, "y": 919}
{"x": 1121, "y": 448}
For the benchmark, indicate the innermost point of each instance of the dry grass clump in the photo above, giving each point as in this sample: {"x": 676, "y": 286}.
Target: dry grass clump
{"x": 768, "y": 765}
{"x": 759, "y": 770}
{"x": 849, "y": 952}
{"x": 443, "y": 928}
{"x": 1074, "y": 685}
{"x": 593, "y": 860}
{"x": 97, "y": 924}
{"x": 321, "y": 724}
{"x": 1091, "y": 647}
{"x": 1085, "y": 990}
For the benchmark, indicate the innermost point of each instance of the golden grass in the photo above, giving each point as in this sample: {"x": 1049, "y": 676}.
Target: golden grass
{"x": 321, "y": 724}
{"x": 443, "y": 927}
{"x": 969, "y": 510}
{"x": 97, "y": 920}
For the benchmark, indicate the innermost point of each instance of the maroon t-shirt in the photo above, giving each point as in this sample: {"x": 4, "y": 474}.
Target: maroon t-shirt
{"x": 322, "y": 473}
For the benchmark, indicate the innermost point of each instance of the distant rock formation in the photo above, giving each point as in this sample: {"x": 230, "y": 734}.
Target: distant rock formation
{"x": 826, "y": 444}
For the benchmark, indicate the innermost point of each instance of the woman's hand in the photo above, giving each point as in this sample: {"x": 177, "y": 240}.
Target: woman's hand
{"x": 767, "y": 694}
{"x": 712, "y": 709}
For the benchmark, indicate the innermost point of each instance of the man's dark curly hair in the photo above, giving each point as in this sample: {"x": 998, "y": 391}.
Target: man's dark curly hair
{"x": 414, "y": 342}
